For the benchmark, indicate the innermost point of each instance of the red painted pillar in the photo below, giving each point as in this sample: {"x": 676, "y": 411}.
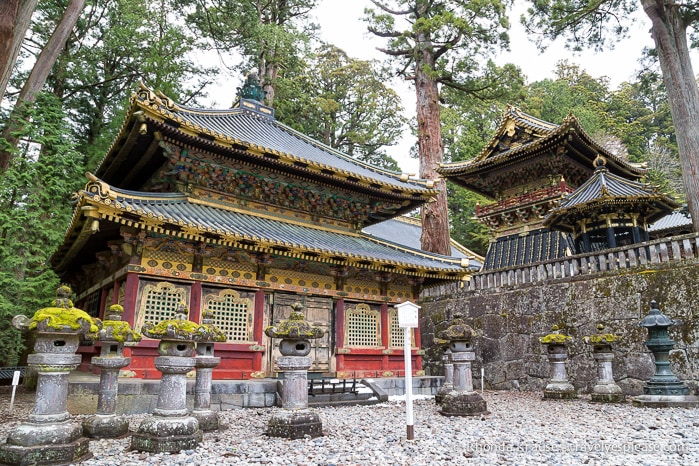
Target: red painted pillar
{"x": 385, "y": 335}
{"x": 115, "y": 293}
{"x": 195, "y": 302}
{"x": 130, "y": 295}
{"x": 103, "y": 303}
{"x": 258, "y": 326}
{"x": 339, "y": 334}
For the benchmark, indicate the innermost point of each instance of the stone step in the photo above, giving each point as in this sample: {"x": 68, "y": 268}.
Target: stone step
{"x": 364, "y": 393}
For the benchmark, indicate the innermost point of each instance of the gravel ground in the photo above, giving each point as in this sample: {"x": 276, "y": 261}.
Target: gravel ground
{"x": 521, "y": 429}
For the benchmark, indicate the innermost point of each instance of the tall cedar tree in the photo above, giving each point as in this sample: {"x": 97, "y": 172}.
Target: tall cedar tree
{"x": 34, "y": 209}
{"x": 433, "y": 42}
{"x": 15, "y": 16}
{"x": 37, "y": 78}
{"x": 585, "y": 23}
{"x": 343, "y": 102}
{"x": 269, "y": 34}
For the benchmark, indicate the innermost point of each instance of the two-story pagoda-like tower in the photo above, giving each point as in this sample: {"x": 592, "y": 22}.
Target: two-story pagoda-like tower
{"x": 526, "y": 168}
{"x": 234, "y": 212}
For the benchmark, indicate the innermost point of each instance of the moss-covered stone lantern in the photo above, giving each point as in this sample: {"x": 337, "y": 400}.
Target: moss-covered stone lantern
{"x": 205, "y": 363}
{"x": 295, "y": 420}
{"x": 556, "y": 344}
{"x": 171, "y": 428}
{"x": 606, "y": 390}
{"x": 664, "y": 389}
{"x": 462, "y": 400}
{"x": 49, "y": 436}
{"x": 113, "y": 336}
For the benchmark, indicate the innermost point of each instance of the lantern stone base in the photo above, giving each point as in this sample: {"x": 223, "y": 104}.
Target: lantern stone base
{"x": 560, "y": 391}
{"x": 50, "y": 443}
{"x": 662, "y": 387}
{"x": 463, "y": 404}
{"x": 666, "y": 401}
{"x": 167, "y": 434}
{"x": 69, "y": 453}
{"x": 105, "y": 426}
{"x": 443, "y": 391}
{"x": 208, "y": 420}
{"x": 295, "y": 424}
{"x": 607, "y": 393}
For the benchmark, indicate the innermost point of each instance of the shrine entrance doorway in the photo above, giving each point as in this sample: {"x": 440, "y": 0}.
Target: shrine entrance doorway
{"x": 319, "y": 313}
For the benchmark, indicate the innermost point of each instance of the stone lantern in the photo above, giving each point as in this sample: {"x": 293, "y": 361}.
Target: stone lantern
{"x": 448, "y": 384}
{"x": 48, "y": 436}
{"x": 557, "y": 348}
{"x": 664, "y": 389}
{"x": 606, "y": 390}
{"x": 205, "y": 363}
{"x": 462, "y": 400}
{"x": 295, "y": 420}
{"x": 171, "y": 428}
{"x": 114, "y": 333}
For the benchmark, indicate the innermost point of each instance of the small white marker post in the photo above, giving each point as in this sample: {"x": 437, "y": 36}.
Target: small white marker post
{"x": 15, "y": 382}
{"x": 407, "y": 319}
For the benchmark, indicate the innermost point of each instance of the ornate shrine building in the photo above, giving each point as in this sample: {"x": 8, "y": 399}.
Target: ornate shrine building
{"x": 608, "y": 211}
{"x": 526, "y": 168}
{"x": 233, "y": 211}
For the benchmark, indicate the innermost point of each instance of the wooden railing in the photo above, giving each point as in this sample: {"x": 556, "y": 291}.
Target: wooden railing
{"x": 635, "y": 256}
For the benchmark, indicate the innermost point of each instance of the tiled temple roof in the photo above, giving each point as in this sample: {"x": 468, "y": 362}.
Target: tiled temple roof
{"x": 605, "y": 189}
{"x": 179, "y": 215}
{"x": 520, "y": 137}
{"x": 251, "y": 129}
{"x": 407, "y": 231}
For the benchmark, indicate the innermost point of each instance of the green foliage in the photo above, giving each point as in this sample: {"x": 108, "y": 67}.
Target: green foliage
{"x": 270, "y": 36}
{"x": 34, "y": 211}
{"x": 116, "y": 45}
{"x": 449, "y": 40}
{"x": 344, "y": 103}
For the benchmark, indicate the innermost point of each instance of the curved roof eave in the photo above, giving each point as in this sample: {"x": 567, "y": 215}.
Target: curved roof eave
{"x": 218, "y": 225}
{"x": 162, "y": 109}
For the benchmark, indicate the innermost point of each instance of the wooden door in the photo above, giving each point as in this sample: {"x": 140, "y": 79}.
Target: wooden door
{"x": 319, "y": 313}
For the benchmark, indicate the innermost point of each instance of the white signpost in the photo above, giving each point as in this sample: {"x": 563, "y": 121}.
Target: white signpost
{"x": 15, "y": 382}
{"x": 407, "y": 319}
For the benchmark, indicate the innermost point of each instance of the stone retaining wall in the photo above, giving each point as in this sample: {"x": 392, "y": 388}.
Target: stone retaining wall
{"x": 512, "y": 317}
{"x": 137, "y": 396}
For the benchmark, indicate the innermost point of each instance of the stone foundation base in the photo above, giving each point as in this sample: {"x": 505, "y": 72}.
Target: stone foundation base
{"x": 463, "y": 404}
{"x": 607, "y": 393}
{"x": 560, "y": 391}
{"x": 208, "y": 420}
{"x": 101, "y": 426}
{"x": 666, "y": 401}
{"x": 441, "y": 393}
{"x": 69, "y": 453}
{"x": 160, "y": 434}
{"x": 295, "y": 424}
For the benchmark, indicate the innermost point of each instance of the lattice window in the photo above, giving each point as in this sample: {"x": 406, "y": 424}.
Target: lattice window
{"x": 362, "y": 326}
{"x": 232, "y": 314}
{"x": 396, "y": 333}
{"x": 159, "y": 302}
{"x": 92, "y": 306}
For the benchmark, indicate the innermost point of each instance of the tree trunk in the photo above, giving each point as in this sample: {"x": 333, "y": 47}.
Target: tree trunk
{"x": 670, "y": 35}
{"x": 37, "y": 78}
{"x": 8, "y": 17}
{"x": 435, "y": 215}
{"x": 15, "y": 16}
